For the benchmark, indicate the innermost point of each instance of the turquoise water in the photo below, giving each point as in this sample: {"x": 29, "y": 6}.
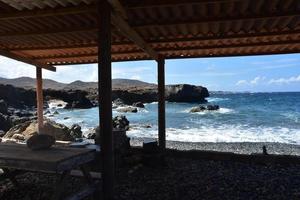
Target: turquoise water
{"x": 243, "y": 117}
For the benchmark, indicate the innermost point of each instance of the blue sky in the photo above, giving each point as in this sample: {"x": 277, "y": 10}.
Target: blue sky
{"x": 249, "y": 73}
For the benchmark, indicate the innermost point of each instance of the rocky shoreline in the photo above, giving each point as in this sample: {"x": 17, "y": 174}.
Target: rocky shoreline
{"x": 234, "y": 147}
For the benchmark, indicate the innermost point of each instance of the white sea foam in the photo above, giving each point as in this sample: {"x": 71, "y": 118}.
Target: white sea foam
{"x": 225, "y": 133}
{"x": 216, "y": 99}
{"x": 205, "y": 112}
{"x": 55, "y": 104}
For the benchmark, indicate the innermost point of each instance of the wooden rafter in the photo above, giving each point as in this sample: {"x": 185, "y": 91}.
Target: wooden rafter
{"x": 26, "y": 60}
{"x": 163, "y": 41}
{"x": 48, "y": 12}
{"x": 168, "y": 49}
{"x": 130, "y": 33}
{"x": 219, "y": 19}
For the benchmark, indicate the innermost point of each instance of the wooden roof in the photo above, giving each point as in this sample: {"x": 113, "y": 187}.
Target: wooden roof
{"x": 56, "y": 32}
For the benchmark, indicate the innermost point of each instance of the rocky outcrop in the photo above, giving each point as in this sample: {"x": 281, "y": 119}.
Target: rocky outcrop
{"x": 121, "y": 123}
{"x": 138, "y": 104}
{"x": 186, "y": 93}
{"x": 74, "y": 98}
{"x": 204, "y": 108}
{"x": 127, "y": 109}
{"x": 173, "y": 93}
{"x": 75, "y": 131}
{"x": 26, "y": 98}
{"x": 29, "y": 128}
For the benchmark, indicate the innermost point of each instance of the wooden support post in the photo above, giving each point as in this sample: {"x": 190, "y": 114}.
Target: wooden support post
{"x": 39, "y": 98}
{"x": 161, "y": 104}
{"x": 105, "y": 90}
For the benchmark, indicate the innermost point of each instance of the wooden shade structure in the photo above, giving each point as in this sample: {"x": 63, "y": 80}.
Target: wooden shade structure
{"x": 46, "y": 33}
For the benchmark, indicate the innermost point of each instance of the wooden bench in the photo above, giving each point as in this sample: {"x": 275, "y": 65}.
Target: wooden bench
{"x": 58, "y": 160}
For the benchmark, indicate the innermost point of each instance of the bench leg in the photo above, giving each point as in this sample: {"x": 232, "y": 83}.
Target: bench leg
{"x": 87, "y": 175}
{"x": 60, "y": 185}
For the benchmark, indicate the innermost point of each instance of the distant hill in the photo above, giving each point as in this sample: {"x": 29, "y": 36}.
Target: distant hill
{"x": 26, "y": 82}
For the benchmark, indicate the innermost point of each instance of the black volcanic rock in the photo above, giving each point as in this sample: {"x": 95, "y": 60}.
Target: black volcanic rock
{"x": 186, "y": 93}
{"x": 3, "y": 107}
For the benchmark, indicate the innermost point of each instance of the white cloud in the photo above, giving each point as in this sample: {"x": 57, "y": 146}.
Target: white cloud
{"x": 281, "y": 81}
{"x": 241, "y": 82}
{"x": 257, "y": 80}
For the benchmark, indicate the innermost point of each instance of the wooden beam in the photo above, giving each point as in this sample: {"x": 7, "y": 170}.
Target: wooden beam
{"x": 161, "y": 104}
{"x": 26, "y": 60}
{"x": 105, "y": 90}
{"x": 48, "y": 12}
{"x": 166, "y": 49}
{"x": 118, "y": 8}
{"x": 171, "y": 22}
{"x": 291, "y": 33}
{"x": 39, "y": 98}
{"x": 42, "y": 32}
{"x": 132, "y": 35}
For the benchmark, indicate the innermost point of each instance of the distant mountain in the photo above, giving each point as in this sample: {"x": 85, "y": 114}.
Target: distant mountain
{"x": 26, "y": 82}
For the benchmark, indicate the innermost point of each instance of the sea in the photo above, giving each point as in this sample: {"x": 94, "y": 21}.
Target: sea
{"x": 242, "y": 117}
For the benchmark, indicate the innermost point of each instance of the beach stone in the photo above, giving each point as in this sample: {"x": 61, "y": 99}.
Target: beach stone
{"x": 212, "y": 107}
{"x": 3, "y": 107}
{"x": 121, "y": 122}
{"x": 138, "y": 104}
{"x": 76, "y": 131}
{"x": 197, "y": 109}
{"x": 127, "y": 109}
{"x": 56, "y": 112}
{"x": 18, "y": 137}
{"x": 40, "y": 142}
{"x": 29, "y": 128}
{"x": 118, "y": 102}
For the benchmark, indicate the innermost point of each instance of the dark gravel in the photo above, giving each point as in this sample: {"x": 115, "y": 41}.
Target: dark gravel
{"x": 237, "y": 147}
{"x": 190, "y": 179}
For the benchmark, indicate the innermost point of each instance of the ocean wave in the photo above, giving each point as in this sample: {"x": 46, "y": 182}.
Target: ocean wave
{"x": 206, "y": 112}
{"x": 216, "y": 99}
{"x": 56, "y": 104}
{"x": 226, "y": 133}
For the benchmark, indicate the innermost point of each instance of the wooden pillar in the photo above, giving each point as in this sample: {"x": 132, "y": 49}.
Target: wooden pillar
{"x": 104, "y": 91}
{"x": 161, "y": 104}
{"x": 39, "y": 98}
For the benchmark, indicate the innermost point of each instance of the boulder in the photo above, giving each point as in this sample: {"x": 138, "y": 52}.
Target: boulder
{"x": 19, "y": 137}
{"x": 127, "y": 109}
{"x": 212, "y": 107}
{"x": 56, "y": 112}
{"x": 3, "y": 107}
{"x": 121, "y": 122}
{"x": 29, "y": 128}
{"x": 138, "y": 104}
{"x": 197, "y": 109}
{"x": 40, "y": 142}
{"x": 118, "y": 102}
{"x": 2, "y": 133}
{"x": 5, "y": 122}
{"x": 203, "y": 108}
{"x": 76, "y": 131}
{"x": 186, "y": 93}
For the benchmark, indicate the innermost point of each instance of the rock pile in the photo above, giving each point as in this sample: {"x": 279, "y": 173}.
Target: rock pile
{"x": 28, "y": 129}
{"x": 204, "y": 108}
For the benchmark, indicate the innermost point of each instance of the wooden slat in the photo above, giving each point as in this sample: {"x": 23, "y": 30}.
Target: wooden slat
{"x": 53, "y": 160}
